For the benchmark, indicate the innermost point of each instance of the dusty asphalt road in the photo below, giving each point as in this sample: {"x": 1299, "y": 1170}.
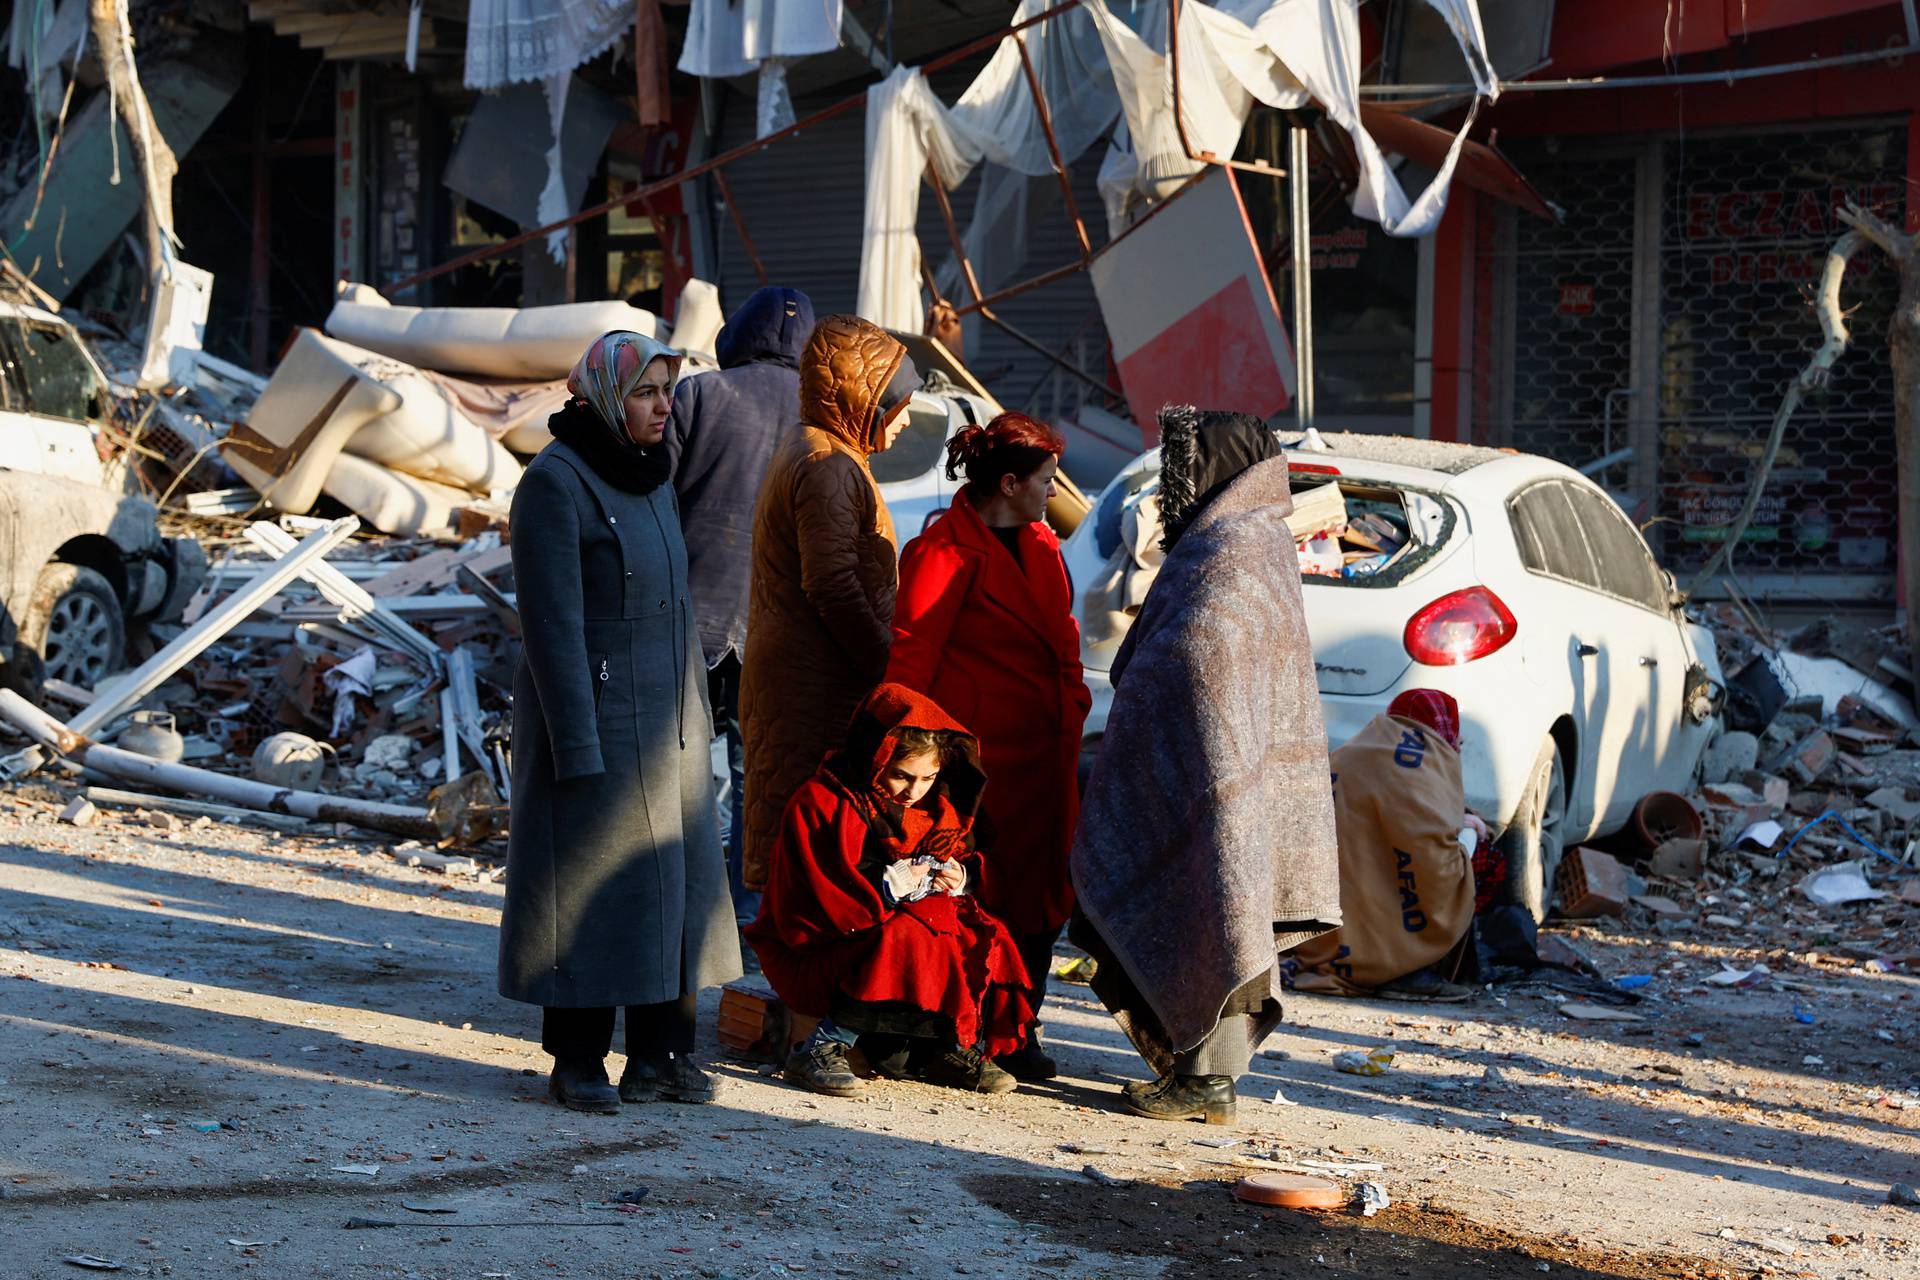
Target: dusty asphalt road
{"x": 325, "y": 1007}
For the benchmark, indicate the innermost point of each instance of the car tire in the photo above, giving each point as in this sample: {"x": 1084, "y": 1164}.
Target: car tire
{"x": 1534, "y": 837}
{"x": 74, "y": 627}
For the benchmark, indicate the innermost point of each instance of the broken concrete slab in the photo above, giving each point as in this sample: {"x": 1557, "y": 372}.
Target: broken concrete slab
{"x": 1728, "y": 756}
{"x": 1679, "y": 860}
{"x": 83, "y": 211}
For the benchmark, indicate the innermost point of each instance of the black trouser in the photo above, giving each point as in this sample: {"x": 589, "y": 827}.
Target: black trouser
{"x": 1036, "y": 952}
{"x": 653, "y": 1031}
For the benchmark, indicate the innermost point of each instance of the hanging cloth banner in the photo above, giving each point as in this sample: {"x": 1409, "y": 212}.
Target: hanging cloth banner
{"x": 732, "y": 37}
{"x": 996, "y": 120}
{"x": 510, "y": 41}
{"x": 1092, "y": 65}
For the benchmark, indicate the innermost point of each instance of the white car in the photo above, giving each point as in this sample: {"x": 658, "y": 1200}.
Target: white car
{"x": 912, "y": 473}
{"x": 82, "y": 560}
{"x": 1523, "y": 591}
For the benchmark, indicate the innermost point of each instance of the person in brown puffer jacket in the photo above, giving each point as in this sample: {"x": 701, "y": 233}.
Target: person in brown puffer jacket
{"x": 820, "y": 611}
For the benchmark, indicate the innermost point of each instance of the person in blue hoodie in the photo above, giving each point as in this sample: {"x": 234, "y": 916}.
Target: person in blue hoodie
{"x": 719, "y": 441}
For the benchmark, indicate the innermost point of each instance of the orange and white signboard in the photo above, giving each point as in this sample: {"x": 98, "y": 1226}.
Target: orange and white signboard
{"x": 1190, "y": 312}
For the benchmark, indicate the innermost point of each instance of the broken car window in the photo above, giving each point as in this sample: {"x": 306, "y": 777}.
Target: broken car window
{"x": 58, "y": 380}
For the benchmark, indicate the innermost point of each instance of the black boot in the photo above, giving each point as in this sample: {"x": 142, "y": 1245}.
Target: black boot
{"x": 581, "y": 1085}
{"x": 680, "y": 1081}
{"x": 1208, "y": 1098}
{"x": 640, "y": 1082}
{"x": 1029, "y": 1062}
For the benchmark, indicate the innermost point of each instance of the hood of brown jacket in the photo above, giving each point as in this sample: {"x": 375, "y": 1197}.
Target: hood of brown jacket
{"x": 843, "y": 372}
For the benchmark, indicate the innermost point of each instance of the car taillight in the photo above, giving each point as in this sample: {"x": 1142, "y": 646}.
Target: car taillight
{"x": 1312, "y": 468}
{"x": 1459, "y": 627}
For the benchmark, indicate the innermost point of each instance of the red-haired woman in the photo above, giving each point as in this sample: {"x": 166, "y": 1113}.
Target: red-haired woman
{"x": 983, "y": 625}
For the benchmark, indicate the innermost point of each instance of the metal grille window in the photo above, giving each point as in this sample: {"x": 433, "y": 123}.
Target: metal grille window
{"x": 1567, "y": 293}
{"x": 1667, "y": 315}
{"x": 1745, "y": 225}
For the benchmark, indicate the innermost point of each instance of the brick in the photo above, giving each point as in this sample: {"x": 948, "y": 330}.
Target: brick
{"x": 1811, "y": 757}
{"x": 80, "y": 812}
{"x": 753, "y": 1022}
{"x": 1591, "y": 883}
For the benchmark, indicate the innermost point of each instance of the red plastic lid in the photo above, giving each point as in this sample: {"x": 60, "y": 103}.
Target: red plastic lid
{"x": 1291, "y": 1191}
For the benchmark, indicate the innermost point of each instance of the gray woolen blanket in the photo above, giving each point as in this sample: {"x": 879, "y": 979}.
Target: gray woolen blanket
{"x": 1206, "y": 841}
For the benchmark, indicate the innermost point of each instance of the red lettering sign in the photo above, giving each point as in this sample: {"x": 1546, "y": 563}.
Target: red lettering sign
{"x": 1576, "y": 298}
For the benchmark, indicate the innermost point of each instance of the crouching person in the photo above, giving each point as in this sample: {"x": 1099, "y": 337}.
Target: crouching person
{"x": 870, "y": 921}
{"x": 1406, "y": 881}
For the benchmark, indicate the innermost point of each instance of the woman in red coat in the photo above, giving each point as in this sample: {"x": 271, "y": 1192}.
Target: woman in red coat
{"x": 871, "y": 920}
{"x": 983, "y": 625}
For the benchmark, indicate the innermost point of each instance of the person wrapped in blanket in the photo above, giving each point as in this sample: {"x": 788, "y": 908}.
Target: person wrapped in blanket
{"x": 1407, "y": 869}
{"x": 870, "y": 920}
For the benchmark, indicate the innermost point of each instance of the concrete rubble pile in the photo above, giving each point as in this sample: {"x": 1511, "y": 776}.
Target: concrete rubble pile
{"x": 358, "y": 683}
{"x": 1800, "y": 849}
{"x": 348, "y": 659}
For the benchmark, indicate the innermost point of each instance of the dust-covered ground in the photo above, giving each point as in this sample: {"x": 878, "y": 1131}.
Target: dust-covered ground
{"x": 221, "y": 1047}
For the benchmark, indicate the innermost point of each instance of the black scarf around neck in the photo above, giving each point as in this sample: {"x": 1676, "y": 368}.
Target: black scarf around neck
{"x": 614, "y": 458}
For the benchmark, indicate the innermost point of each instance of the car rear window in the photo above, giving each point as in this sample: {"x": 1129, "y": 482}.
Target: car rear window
{"x": 1387, "y": 533}
{"x": 914, "y": 450}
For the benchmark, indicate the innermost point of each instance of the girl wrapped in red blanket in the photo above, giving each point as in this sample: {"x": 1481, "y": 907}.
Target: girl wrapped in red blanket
{"x": 871, "y": 920}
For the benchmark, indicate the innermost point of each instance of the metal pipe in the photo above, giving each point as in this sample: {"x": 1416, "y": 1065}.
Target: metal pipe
{"x": 1060, "y": 360}
{"x": 714, "y": 163}
{"x": 1180, "y": 116}
{"x": 1641, "y": 82}
{"x": 1302, "y": 277}
{"x": 1053, "y": 146}
{"x": 202, "y": 635}
{"x": 953, "y": 230}
{"x": 740, "y": 225}
{"x": 244, "y": 792}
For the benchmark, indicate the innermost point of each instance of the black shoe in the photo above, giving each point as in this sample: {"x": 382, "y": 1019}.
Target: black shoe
{"x": 1141, "y": 1088}
{"x": 1208, "y": 1098}
{"x": 823, "y": 1068}
{"x": 1424, "y": 986}
{"x": 1029, "y": 1062}
{"x": 678, "y": 1080}
{"x": 640, "y": 1082}
{"x": 968, "y": 1069}
{"x": 582, "y": 1086}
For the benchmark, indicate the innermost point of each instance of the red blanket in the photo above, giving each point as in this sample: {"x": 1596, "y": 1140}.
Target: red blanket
{"x": 825, "y": 928}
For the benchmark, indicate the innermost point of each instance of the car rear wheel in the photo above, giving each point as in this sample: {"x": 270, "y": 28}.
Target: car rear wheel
{"x": 1533, "y": 839}
{"x": 74, "y": 625}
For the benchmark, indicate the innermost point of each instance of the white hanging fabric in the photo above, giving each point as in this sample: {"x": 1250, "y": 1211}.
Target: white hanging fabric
{"x": 1319, "y": 41}
{"x": 732, "y": 37}
{"x": 512, "y": 41}
{"x": 1091, "y": 64}
{"x": 996, "y": 120}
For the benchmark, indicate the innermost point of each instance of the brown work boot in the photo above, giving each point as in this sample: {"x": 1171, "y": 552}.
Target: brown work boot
{"x": 1209, "y": 1098}
{"x": 968, "y": 1069}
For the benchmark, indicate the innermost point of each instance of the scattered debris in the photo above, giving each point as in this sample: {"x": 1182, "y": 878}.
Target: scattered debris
{"x": 1373, "y": 1198}
{"x": 1838, "y": 885}
{"x": 1367, "y": 1062}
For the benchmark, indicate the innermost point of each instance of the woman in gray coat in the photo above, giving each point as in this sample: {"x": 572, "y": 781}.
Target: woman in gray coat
{"x": 616, "y": 891}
